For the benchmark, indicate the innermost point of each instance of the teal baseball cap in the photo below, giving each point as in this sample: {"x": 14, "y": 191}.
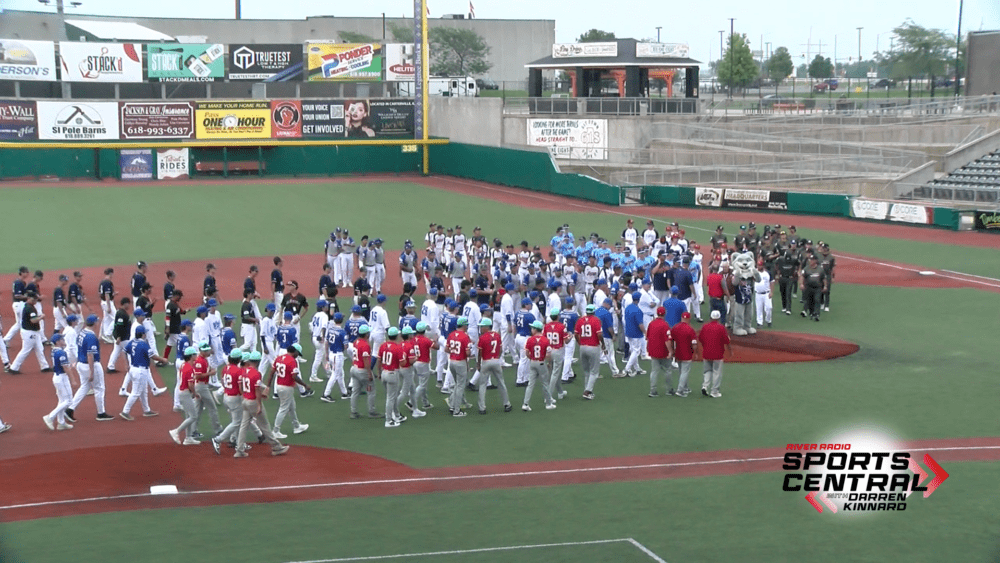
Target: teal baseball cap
{"x": 393, "y": 331}
{"x": 486, "y": 322}
{"x": 463, "y": 321}
{"x": 254, "y": 356}
{"x": 421, "y": 327}
{"x": 408, "y": 330}
{"x": 364, "y": 329}
{"x": 297, "y": 347}
{"x": 537, "y": 325}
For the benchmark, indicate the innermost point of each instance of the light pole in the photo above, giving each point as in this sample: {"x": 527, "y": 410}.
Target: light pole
{"x": 859, "y": 43}
{"x": 718, "y": 75}
{"x": 731, "y": 69}
{"x": 658, "y": 28}
{"x": 958, "y": 47}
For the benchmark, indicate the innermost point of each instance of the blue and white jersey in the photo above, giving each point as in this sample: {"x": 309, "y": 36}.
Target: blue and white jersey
{"x": 18, "y": 288}
{"x": 335, "y": 338}
{"x": 138, "y": 280}
{"x": 352, "y": 328}
{"x": 229, "y": 340}
{"x": 59, "y": 361}
{"x": 87, "y": 345}
{"x": 522, "y": 322}
{"x": 568, "y": 318}
{"x": 139, "y": 353}
{"x": 214, "y": 324}
{"x": 75, "y": 293}
{"x": 183, "y": 342}
{"x": 695, "y": 269}
{"x": 409, "y": 259}
{"x": 628, "y": 262}
{"x": 449, "y": 322}
{"x": 555, "y": 241}
{"x": 287, "y": 335}
{"x": 408, "y": 320}
{"x": 607, "y": 319}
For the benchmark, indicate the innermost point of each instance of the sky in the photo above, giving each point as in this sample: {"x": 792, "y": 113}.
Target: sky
{"x": 804, "y": 28}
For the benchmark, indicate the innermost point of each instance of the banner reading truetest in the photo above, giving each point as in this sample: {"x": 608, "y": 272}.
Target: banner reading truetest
{"x": 265, "y": 63}
{"x": 27, "y": 60}
{"x": 75, "y": 121}
{"x": 18, "y": 121}
{"x": 345, "y": 61}
{"x": 250, "y": 119}
{"x": 578, "y": 139}
{"x": 178, "y": 62}
{"x": 100, "y": 62}
{"x": 155, "y": 120}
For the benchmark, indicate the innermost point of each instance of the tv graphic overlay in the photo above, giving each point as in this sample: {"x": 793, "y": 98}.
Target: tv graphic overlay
{"x": 344, "y": 61}
{"x": 76, "y": 121}
{"x": 155, "y": 120}
{"x": 248, "y": 119}
{"x": 27, "y": 60}
{"x": 180, "y": 62}
{"x": 18, "y": 121}
{"x": 265, "y": 62}
{"x": 100, "y": 62}
{"x": 136, "y": 164}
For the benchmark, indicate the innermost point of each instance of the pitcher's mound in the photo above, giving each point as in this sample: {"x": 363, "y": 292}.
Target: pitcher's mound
{"x": 769, "y": 346}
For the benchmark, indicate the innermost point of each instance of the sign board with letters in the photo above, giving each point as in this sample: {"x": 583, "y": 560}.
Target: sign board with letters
{"x": 157, "y": 120}
{"x": 344, "y": 61}
{"x": 27, "y": 60}
{"x": 400, "y": 64}
{"x": 173, "y": 164}
{"x": 869, "y": 209}
{"x": 136, "y": 164}
{"x": 708, "y": 197}
{"x": 755, "y": 199}
{"x": 576, "y": 50}
{"x": 665, "y": 50}
{"x": 265, "y": 62}
{"x": 578, "y": 139}
{"x": 100, "y": 62}
{"x": 18, "y": 120}
{"x": 323, "y": 118}
{"x": 241, "y": 119}
{"x": 77, "y": 121}
{"x": 286, "y": 119}
{"x": 183, "y": 62}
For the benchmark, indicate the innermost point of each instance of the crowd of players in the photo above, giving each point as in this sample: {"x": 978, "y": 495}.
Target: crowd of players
{"x": 582, "y": 300}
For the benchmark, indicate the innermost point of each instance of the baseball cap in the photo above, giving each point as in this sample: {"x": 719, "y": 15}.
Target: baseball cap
{"x": 288, "y": 315}
{"x": 91, "y": 319}
{"x": 674, "y": 289}
{"x": 646, "y": 281}
{"x": 393, "y": 331}
{"x": 186, "y": 323}
{"x": 63, "y": 277}
{"x": 554, "y": 313}
{"x": 212, "y": 303}
{"x": 72, "y": 319}
{"x": 297, "y": 347}
{"x": 356, "y": 309}
{"x": 752, "y": 224}
{"x": 191, "y": 350}
{"x": 569, "y": 300}
{"x": 56, "y": 337}
{"x": 338, "y": 317}
{"x": 636, "y": 296}
{"x": 364, "y": 329}
{"x": 433, "y": 291}
{"x": 472, "y": 292}
{"x": 253, "y": 357}
{"x": 719, "y": 228}
{"x": 602, "y": 281}
{"x": 685, "y": 315}
{"x": 380, "y": 298}
{"x": 421, "y": 327}
{"x": 483, "y": 307}
{"x": 408, "y": 330}
{"x": 410, "y": 304}
{"x": 321, "y": 304}
{"x": 201, "y": 310}
{"x": 537, "y": 325}
{"x": 229, "y": 317}
{"x": 483, "y": 322}
{"x": 743, "y": 227}
{"x": 716, "y": 315}
{"x": 607, "y": 301}
{"x": 463, "y": 321}
{"x": 660, "y": 311}
{"x": 204, "y": 346}
{"x": 270, "y": 307}
{"x": 139, "y": 313}
{"x": 533, "y": 295}
{"x": 509, "y": 287}
{"x": 633, "y": 286}
{"x": 236, "y": 355}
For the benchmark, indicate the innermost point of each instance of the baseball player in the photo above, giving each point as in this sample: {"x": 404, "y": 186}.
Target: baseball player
{"x": 331, "y": 249}
{"x": 387, "y": 364}
{"x": 379, "y": 253}
{"x": 336, "y": 343}
{"x": 202, "y": 373}
{"x": 537, "y": 352}
{"x": 31, "y": 336}
{"x": 69, "y": 334}
{"x": 59, "y": 303}
{"x": 489, "y": 363}
{"x": 277, "y": 282}
{"x": 606, "y": 316}
{"x": 217, "y": 360}
{"x": 345, "y": 258}
{"x": 317, "y": 327}
{"x": 138, "y": 280}
{"x": 62, "y": 384}
{"x": 361, "y": 373}
{"x": 456, "y": 271}
{"x": 142, "y": 321}
{"x": 459, "y": 348}
{"x": 210, "y": 289}
{"x": 522, "y": 324}
{"x": 168, "y": 292}
{"x": 682, "y": 343}
{"x": 91, "y": 372}
{"x": 182, "y": 342}
{"x": 505, "y": 323}
{"x": 249, "y": 321}
{"x": 106, "y": 290}
{"x": 763, "y": 290}
{"x": 18, "y": 299}
{"x": 588, "y": 337}
{"x": 229, "y": 342}
{"x": 557, "y": 336}
{"x": 173, "y": 315}
{"x": 366, "y": 259}
{"x": 187, "y": 398}
{"x": 422, "y": 370}
{"x": 233, "y": 402}
{"x": 75, "y": 299}
{"x": 409, "y": 270}
{"x": 449, "y": 322}
{"x": 268, "y": 336}
{"x": 379, "y": 322}
{"x": 254, "y": 391}
{"x": 139, "y": 354}
{"x": 568, "y": 318}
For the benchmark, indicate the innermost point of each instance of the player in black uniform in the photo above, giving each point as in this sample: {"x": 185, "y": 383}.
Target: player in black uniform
{"x": 209, "y": 288}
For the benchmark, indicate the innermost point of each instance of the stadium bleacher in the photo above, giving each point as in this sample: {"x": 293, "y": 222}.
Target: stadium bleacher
{"x": 977, "y": 181}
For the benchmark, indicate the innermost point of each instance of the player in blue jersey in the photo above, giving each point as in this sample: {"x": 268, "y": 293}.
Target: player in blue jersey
{"x": 336, "y": 341}
{"x": 88, "y": 365}
{"x": 139, "y": 355}
{"x": 568, "y": 317}
{"x": 522, "y": 328}
{"x": 56, "y": 420}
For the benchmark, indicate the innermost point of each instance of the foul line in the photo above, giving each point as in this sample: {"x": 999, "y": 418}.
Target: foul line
{"x": 641, "y": 547}
{"x": 915, "y": 270}
{"x": 453, "y": 478}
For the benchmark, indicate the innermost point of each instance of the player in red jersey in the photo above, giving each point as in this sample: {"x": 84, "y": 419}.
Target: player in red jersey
{"x": 489, "y": 363}
{"x": 286, "y": 368}
{"x": 361, "y": 373}
{"x": 233, "y": 401}
{"x": 588, "y": 336}
{"x": 422, "y": 366}
{"x": 202, "y": 372}
{"x": 459, "y": 346}
{"x": 557, "y": 336}
{"x": 407, "y": 373}
{"x": 387, "y": 363}
{"x": 254, "y": 391}
{"x": 187, "y": 398}
{"x": 537, "y": 350}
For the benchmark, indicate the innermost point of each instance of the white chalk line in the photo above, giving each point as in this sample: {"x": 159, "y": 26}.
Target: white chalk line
{"x": 904, "y": 268}
{"x": 631, "y": 541}
{"x": 451, "y": 478}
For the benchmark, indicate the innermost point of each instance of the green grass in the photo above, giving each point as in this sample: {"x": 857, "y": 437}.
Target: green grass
{"x": 736, "y": 518}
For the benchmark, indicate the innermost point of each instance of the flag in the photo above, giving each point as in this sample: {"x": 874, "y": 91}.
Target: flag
{"x": 428, "y": 7}
{"x": 472, "y": 10}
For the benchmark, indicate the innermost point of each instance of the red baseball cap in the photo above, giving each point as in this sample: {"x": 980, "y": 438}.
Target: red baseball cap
{"x": 660, "y": 311}
{"x": 685, "y": 315}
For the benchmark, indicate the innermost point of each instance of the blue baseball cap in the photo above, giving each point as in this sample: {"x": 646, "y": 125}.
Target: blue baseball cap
{"x": 602, "y": 281}
{"x": 433, "y": 291}
{"x": 270, "y": 307}
{"x": 636, "y": 296}
{"x": 484, "y": 307}
{"x": 229, "y": 317}
{"x": 410, "y": 304}
{"x": 674, "y": 289}
{"x": 526, "y": 302}
{"x": 201, "y": 310}
{"x": 338, "y": 317}
{"x": 72, "y": 319}
{"x": 646, "y": 281}
{"x": 472, "y": 292}
{"x": 321, "y": 304}
{"x": 56, "y": 337}
{"x": 632, "y": 286}
{"x": 91, "y": 319}
{"x": 509, "y": 287}
{"x": 288, "y": 315}
{"x": 380, "y": 298}
{"x": 356, "y": 309}
{"x": 186, "y": 323}
{"x": 212, "y": 303}
{"x": 608, "y": 301}
{"x": 139, "y": 313}
{"x": 533, "y": 295}
{"x": 140, "y": 330}
{"x": 569, "y": 301}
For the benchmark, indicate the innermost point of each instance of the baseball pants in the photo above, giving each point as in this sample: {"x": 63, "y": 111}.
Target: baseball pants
{"x": 286, "y": 407}
{"x": 537, "y": 373}
{"x": 493, "y": 370}
{"x": 422, "y": 371}
{"x": 380, "y": 277}
{"x": 334, "y": 267}
{"x": 4, "y": 355}
{"x": 406, "y": 388}
{"x": 460, "y": 371}
{"x": 456, "y": 285}
{"x": 507, "y": 341}
{"x": 566, "y": 370}
{"x": 811, "y": 299}
{"x": 635, "y": 350}
{"x": 764, "y": 307}
{"x": 207, "y": 403}
{"x": 371, "y": 274}
{"x": 113, "y": 359}
{"x": 336, "y": 360}
{"x": 359, "y": 381}
{"x": 661, "y": 365}
{"x": 60, "y": 318}
{"x": 187, "y": 404}
{"x": 554, "y": 382}
{"x": 718, "y": 304}
{"x": 178, "y": 364}
{"x": 824, "y": 297}
{"x": 254, "y": 411}
{"x": 785, "y": 286}
{"x": 409, "y": 278}
{"x": 140, "y": 389}
{"x": 590, "y": 361}
{"x": 522, "y": 358}
{"x": 390, "y": 379}
{"x": 248, "y": 332}
{"x": 108, "y": 320}
{"x": 685, "y": 372}
{"x": 319, "y": 356}
{"x": 218, "y": 358}
{"x": 234, "y": 404}
{"x": 580, "y": 302}
{"x": 31, "y": 341}
{"x": 15, "y": 328}
{"x": 608, "y": 357}
{"x": 442, "y": 359}
{"x": 346, "y": 268}
{"x": 64, "y": 392}
{"x": 699, "y": 296}
{"x": 712, "y": 375}
{"x": 268, "y": 359}
{"x": 90, "y": 381}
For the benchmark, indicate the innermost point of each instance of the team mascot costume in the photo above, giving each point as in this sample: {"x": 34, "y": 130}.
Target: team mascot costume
{"x": 744, "y": 274}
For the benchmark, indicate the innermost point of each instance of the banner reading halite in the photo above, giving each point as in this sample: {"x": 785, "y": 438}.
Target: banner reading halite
{"x": 233, "y": 120}
{"x": 345, "y": 61}
{"x": 178, "y": 62}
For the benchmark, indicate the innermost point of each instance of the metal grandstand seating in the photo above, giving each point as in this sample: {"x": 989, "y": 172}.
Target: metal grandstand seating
{"x": 978, "y": 181}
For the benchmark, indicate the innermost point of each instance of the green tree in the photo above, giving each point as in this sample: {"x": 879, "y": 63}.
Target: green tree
{"x": 737, "y": 66}
{"x": 458, "y": 52}
{"x": 401, "y": 33}
{"x": 780, "y": 65}
{"x": 821, "y": 67}
{"x": 355, "y": 37}
{"x": 802, "y": 70}
{"x": 596, "y": 36}
{"x": 919, "y": 52}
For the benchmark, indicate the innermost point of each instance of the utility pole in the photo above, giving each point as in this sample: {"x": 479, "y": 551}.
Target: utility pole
{"x": 658, "y": 28}
{"x": 239, "y": 11}
{"x": 859, "y": 43}
{"x": 958, "y": 48}
{"x": 731, "y": 69}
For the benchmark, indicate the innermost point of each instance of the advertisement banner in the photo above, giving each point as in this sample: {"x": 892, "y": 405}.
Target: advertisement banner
{"x": 400, "y": 64}
{"x": 250, "y": 119}
{"x": 755, "y": 199}
{"x": 172, "y": 164}
{"x": 100, "y": 62}
{"x": 708, "y": 197}
{"x": 868, "y": 209}
{"x": 665, "y": 50}
{"x": 27, "y": 60}
{"x": 345, "y": 61}
{"x": 286, "y": 119}
{"x": 987, "y": 221}
{"x": 18, "y": 121}
{"x": 180, "y": 62}
{"x": 572, "y": 50}
{"x": 906, "y": 213}
{"x": 323, "y": 119}
{"x": 265, "y": 63}
{"x": 74, "y": 121}
{"x": 155, "y": 120}
{"x": 578, "y": 139}
{"x": 388, "y": 117}
{"x": 136, "y": 164}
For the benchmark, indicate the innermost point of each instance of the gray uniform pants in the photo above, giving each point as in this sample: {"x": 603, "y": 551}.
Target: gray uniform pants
{"x": 713, "y": 375}
{"x": 187, "y": 403}
{"x": 590, "y": 359}
{"x": 492, "y": 369}
{"x": 407, "y": 389}
{"x": 253, "y": 411}
{"x": 460, "y": 372}
{"x": 391, "y": 381}
{"x": 359, "y": 381}
{"x": 682, "y": 382}
{"x": 423, "y": 373}
{"x": 286, "y": 407}
{"x": 207, "y": 404}
{"x": 555, "y": 380}
{"x": 661, "y": 365}
{"x": 538, "y": 373}
{"x": 234, "y": 404}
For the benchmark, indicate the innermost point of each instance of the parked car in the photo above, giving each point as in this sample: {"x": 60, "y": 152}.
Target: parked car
{"x": 486, "y": 84}
{"x": 882, "y": 83}
{"x": 822, "y": 87}
{"x": 771, "y": 99}
{"x": 944, "y": 83}
{"x": 832, "y": 82}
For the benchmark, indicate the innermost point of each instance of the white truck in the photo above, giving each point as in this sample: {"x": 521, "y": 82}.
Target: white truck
{"x": 443, "y": 86}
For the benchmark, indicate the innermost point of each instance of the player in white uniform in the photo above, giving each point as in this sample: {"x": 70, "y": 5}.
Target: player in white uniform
{"x": 649, "y": 236}
{"x": 346, "y": 257}
{"x": 630, "y": 236}
{"x": 331, "y": 249}
{"x": 762, "y": 294}
{"x": 379, "y": 322}
{"x": 430, "y": 315}
{"x": 408, "y": 269}
{"x": 317, "y": 327}
{"x": 218, "y": 359}
{"x": 268, "y": 334}
{"x": 460, "y": 244}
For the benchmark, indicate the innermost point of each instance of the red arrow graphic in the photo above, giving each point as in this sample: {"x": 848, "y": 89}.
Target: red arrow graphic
{"x": 829, "y": 503}
{"x": 811, "y": 498}
{"x": 939, "y": 475}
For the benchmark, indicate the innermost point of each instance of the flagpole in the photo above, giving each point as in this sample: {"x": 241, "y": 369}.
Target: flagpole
{"x": 424, "y": 74}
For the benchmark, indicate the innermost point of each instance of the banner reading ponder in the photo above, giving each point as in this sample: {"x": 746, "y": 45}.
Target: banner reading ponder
{"x": 233, "y": 120}
{"x": 345, "y": 61}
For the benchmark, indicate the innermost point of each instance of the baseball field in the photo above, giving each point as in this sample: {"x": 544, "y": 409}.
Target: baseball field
{"x": 622, "y": 478}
